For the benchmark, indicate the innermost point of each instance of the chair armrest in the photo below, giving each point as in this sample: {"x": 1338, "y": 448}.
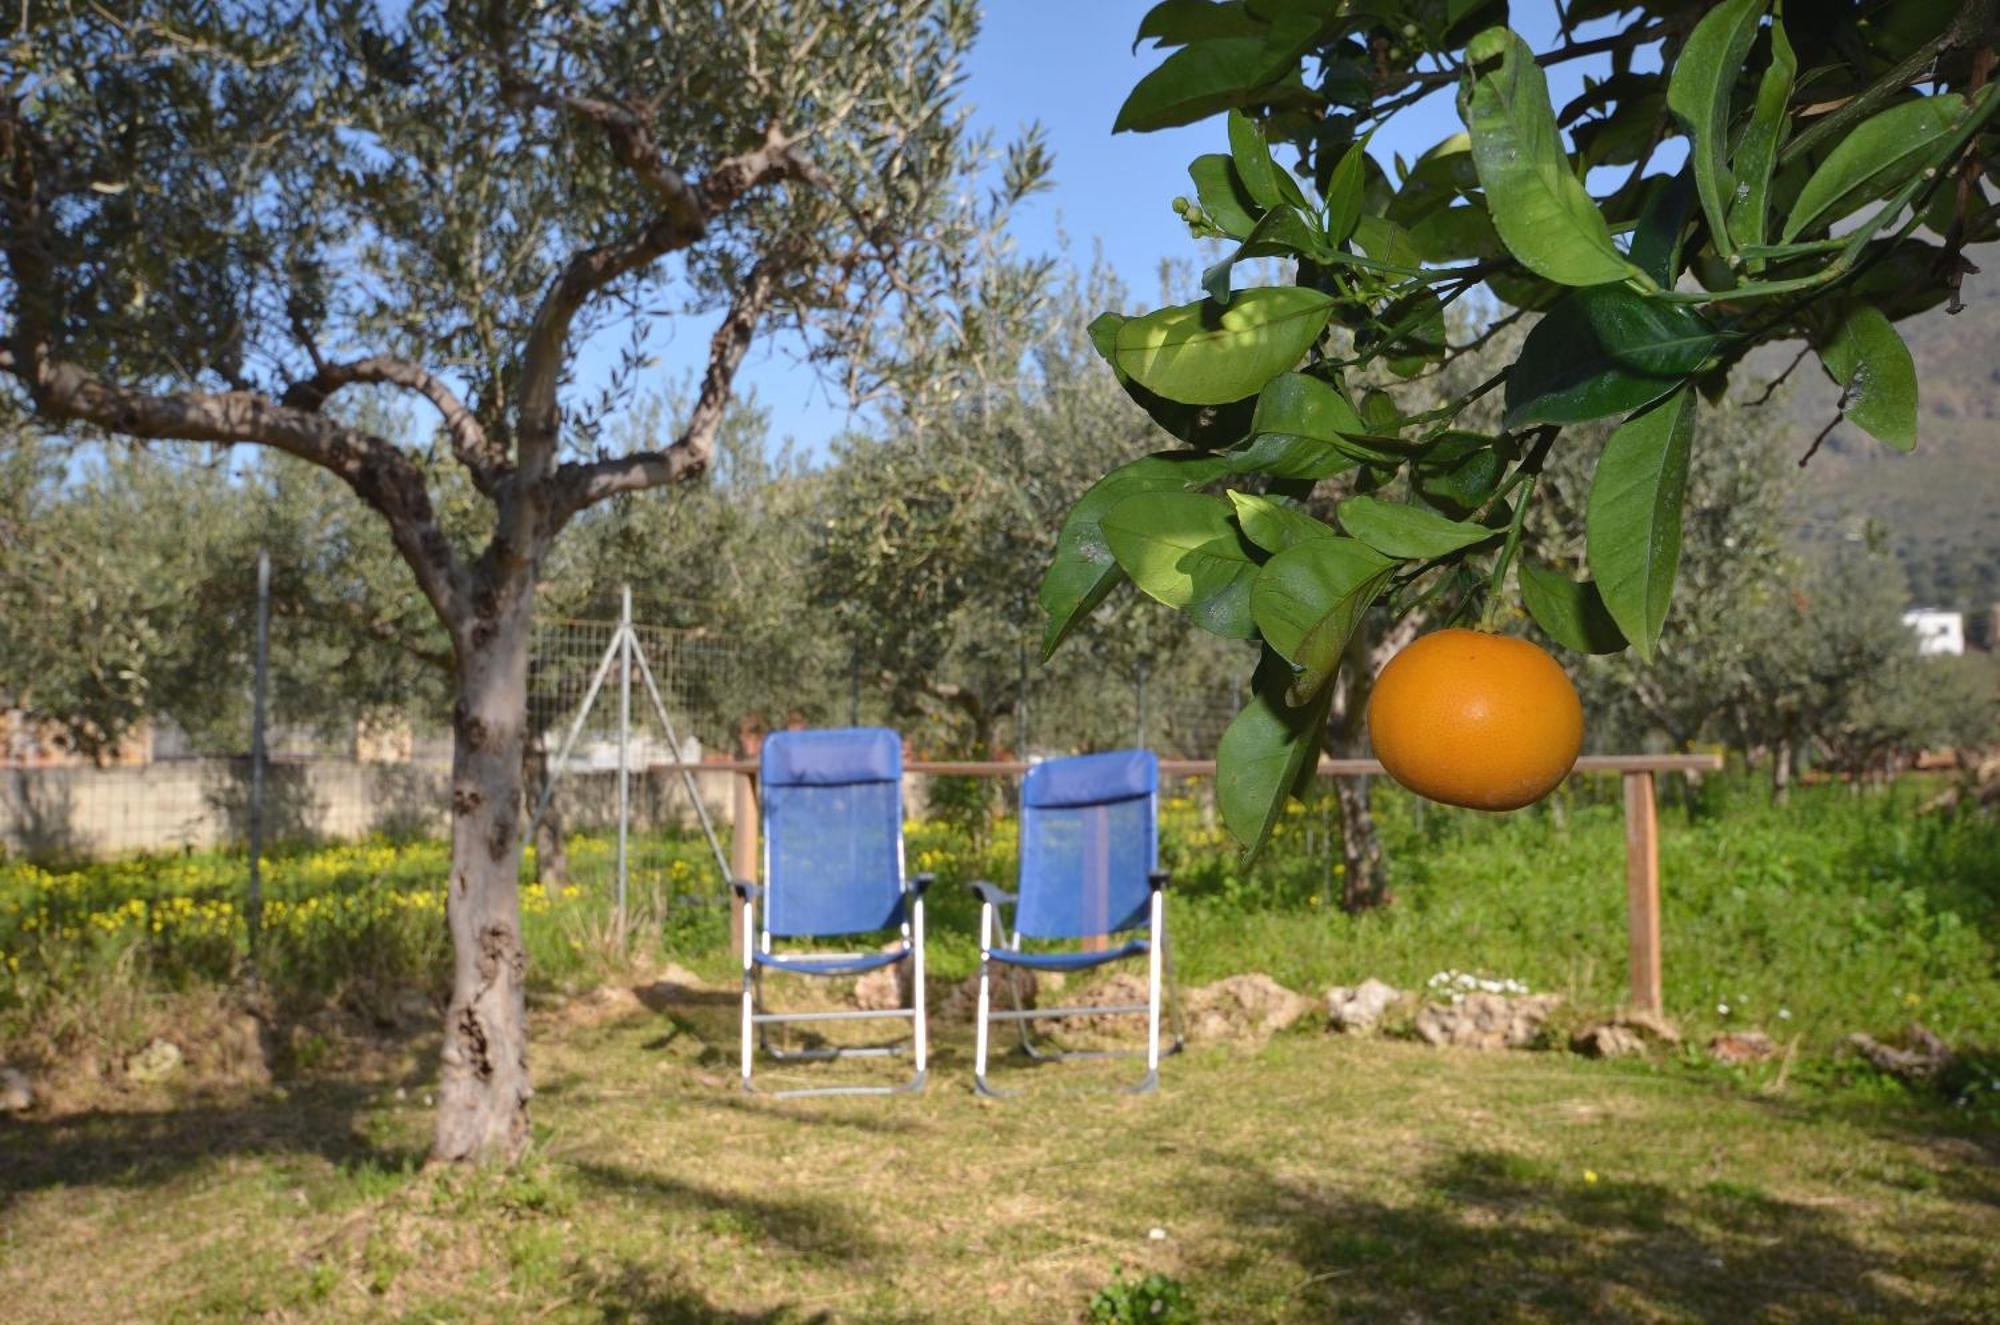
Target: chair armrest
{"x": 991, "y": 895}
{"x": 919, "y": 885}
{"x": 745, "y": 890}
{"x": 1157, "y": 880}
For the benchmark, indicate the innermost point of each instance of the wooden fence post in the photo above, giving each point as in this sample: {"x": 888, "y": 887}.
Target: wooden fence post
{"x": 1642, "y": 889}
{"x": 743, "y": 840}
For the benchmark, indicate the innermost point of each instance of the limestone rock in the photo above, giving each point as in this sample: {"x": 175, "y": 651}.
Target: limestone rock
{"x": 1737, "y": 1047}
{"x": 1244, "y": 1008}
{"x": 1359, "y": 1010}
{"x": 962, "y": 1003}
{"x": 1926, "y": 1056}
{"x": 1486, "y": 1021}
{"x": 1649, "y": 1025}
{"x": 158, "y": 1061}
{"x": 886, "y": 987}
{"x": 17, "y": 1093}
{"x": 1608, "y": 1039}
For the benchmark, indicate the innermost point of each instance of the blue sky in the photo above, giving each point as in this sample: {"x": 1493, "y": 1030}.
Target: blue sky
{"x": 1068, "y": 64}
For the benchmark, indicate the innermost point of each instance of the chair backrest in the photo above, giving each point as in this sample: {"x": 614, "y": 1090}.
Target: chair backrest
{"x": 1089, "y": 839}
{"x": 833, "y": 831}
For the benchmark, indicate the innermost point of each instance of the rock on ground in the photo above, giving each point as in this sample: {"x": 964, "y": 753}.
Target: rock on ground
{"x": 1926, "y": 1056}
{"x": 1608, "y": 1039}
{"x": 17, "y": 1093}
{"x": 886, "y": 987}
{"x": 159, "y": 1060}
{"x": 1359, "y": 1010}
{"x": 1737, "y": 1047}
{"x": 1486, "y": 1021}
{"x": 962, "y": 1003}
{"x": 1245, "y": 1008}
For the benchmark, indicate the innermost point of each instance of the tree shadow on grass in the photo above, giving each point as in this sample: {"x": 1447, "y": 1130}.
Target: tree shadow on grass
{"x": 129, "y": 1150}
{"x": 633, "y": 1294}
{"x": 814, "y": 1227}
{"x": 1494, "y": 1237}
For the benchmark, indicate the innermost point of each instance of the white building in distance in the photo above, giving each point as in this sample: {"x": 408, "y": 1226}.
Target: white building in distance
{"x": 1939, "y": 633}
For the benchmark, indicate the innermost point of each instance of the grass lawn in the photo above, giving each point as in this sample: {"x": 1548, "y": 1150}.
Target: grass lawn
{"x": 1317, "y": 1179}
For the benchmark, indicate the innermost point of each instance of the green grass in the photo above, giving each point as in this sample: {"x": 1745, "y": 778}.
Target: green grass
{"x": 1319, "y": 1179}
{"x": 1315, "y": 1179}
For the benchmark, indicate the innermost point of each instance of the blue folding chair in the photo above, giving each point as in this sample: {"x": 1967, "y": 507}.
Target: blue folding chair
{"x": 833, "y": 865}
{"x": 1089, "y": 869}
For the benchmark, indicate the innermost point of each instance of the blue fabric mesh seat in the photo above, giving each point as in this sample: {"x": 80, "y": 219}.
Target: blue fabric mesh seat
{"x": 1089, "y": 869}
{"x": 833, "y": 832}
{"x": 833, "y": 865}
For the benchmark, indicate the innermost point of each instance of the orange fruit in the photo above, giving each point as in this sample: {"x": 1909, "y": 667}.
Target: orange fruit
{"x": 1485, "y": 721}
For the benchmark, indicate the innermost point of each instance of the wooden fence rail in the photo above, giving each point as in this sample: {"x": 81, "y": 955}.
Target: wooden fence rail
{"x": 1642, "y": 832}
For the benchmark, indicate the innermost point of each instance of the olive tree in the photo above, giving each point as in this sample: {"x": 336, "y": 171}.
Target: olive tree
{"x": 1754, "y": 178}
{"x": 219, "y": 218}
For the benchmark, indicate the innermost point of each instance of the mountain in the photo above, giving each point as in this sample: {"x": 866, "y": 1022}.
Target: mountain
{"x": 1936, "y": 507}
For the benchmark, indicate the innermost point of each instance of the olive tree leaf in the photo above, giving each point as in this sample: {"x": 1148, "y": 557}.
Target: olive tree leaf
{"x": 1186, "y": 550}
{"x": 1272, "y": 526}
{"x": 1206, "y": 426}
{"x": 1308, "y": 599}
{"x": 1603, "y": 351}
{"x": 1570, "y": 613}
{"x": 1223, "y": 195}
{"x": 1252, "y": 156}
{"x": 1265, "y": 751}
{"x": 1698, "y": 95}
{"x": 1542, "y": 211}
{"x": 1204, "y": 77}
{"x": 1083, "y": 570}
{"x": 1868, "y": 358}
{"x": 1883, "y": 153}
{"x": 1201, "y": 355}
{"x": 1407, "y": 531}
{"x": 1757, "y": 150}
{"x": 1632, "y": 526}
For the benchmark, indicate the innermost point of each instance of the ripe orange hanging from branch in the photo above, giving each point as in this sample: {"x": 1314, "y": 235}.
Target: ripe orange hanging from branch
{"x": 1485, "y": 721}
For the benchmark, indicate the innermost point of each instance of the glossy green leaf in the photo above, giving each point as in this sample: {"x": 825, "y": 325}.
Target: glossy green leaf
{"x": 1457, "y": 234}
{"x": 1656, "y": 242}
{"x": 1206, "y": 426}
{"x": 1385, "y": 241}
{"x": 1265, "y": 752}
{"x": 1308, "y": 599}
{"x": 1459, "y": 487}
{"x": 1880, "y": 156}
{"x": 1297, "y": 405}
{"x": 1757, "y": 151}
{"x": 1290, "y": 457}
{"x": 1178, "y": 22}
{"x": 1540, "y": 208}
{"x": 1282, "y": 233}
{"x": 1602, "y": 351}
{"x": 1222, "y": 194}
{"x": 1346, "y": 190}
{"x": 1704, "y": 76}
{"x": 1203, "y": 355}
{"x": 1632, "y": 527}
{"x": 1411, "y": 532}
{"x": 1410, "y": 335}
{"x": 1868, "y": 358}
{"x": 1570, "y": 613}
{"x": 1273, "y": 526}
{"x": 1083, "y": 570}
{"x": 1184, "y": 549}
{"x": 1438, "y": 180}
{"x": 1200, "y": 79}
{"x": 1252, "y": 156}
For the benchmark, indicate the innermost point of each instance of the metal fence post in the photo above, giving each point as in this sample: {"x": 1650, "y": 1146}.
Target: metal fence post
{"x": 253, "y": 910}
{"x": 624, "y": 742}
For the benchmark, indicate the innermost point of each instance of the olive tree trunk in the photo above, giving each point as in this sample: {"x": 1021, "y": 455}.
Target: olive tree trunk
{"x": 1365, "y": 881}
{"x": 483, "y": 1087}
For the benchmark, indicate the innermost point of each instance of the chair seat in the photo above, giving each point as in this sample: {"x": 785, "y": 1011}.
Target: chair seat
{"x": 1068, "y": 961}
{"x": 855, "y": 964}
